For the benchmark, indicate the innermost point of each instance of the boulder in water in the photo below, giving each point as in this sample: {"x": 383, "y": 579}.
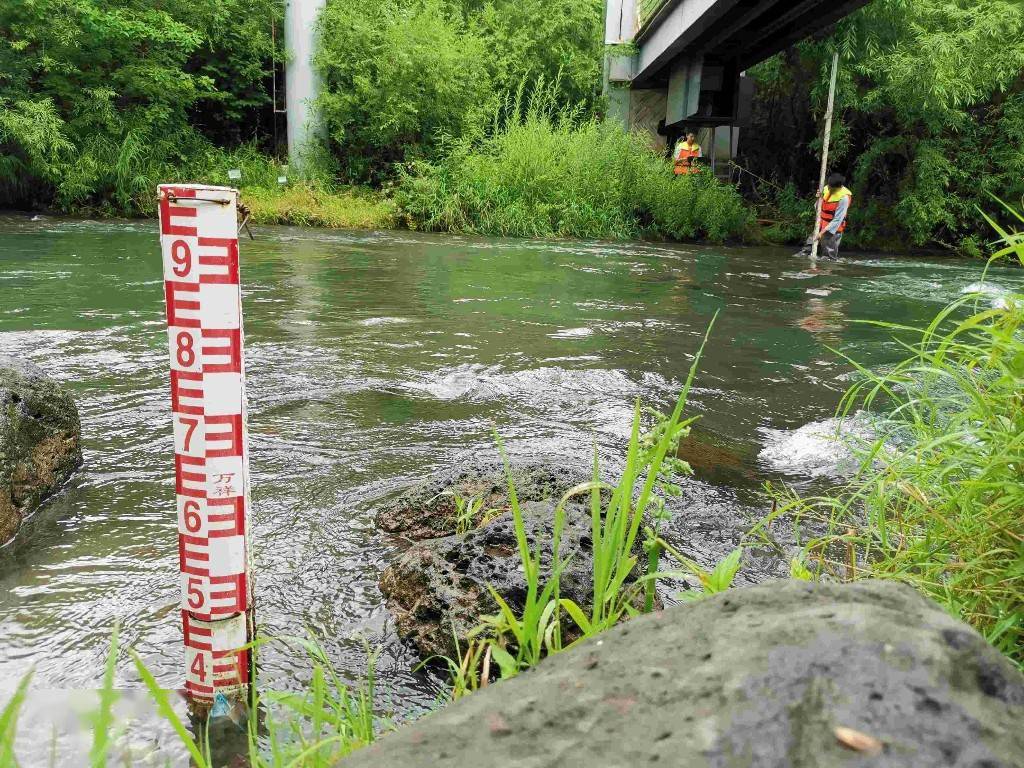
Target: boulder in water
{"x": 778, "y": 675}
{"x": 428, "y": 509}
{"x": 40, "y": 441}
{"x": 438, "y": 590}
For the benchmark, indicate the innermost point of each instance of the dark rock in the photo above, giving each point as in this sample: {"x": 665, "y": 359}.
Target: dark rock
{"x": 715, "y": 461}
{"x": 439, "y": 585}
{"x": 762, "y": 676}
{"x": 438, "y": 589}
{"x": 40, "y": 437}
{"x": 428, "y": 510}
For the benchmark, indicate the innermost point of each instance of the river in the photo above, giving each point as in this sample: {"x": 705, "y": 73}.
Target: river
{"x": 376, "y": 358}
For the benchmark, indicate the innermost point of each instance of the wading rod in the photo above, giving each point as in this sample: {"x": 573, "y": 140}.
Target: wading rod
{"x": 824, "y": 155}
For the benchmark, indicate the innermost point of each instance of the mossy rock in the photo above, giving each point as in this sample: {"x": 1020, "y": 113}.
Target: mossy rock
{"x": 40, "y": 441}
{"x": 439, "y": 590}
{"x": 428, "y": 509}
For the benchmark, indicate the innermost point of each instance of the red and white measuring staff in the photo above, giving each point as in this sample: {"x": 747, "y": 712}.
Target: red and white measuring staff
{"x": 199, "y": 242}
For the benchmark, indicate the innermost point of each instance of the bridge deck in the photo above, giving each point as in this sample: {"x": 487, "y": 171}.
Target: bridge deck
{"x": 743, "y": 31}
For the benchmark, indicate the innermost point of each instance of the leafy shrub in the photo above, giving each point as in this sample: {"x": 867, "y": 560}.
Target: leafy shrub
{"x": 307, "y": 204}
{"x": 398, "y": 76}
{"x": 688, "y": 207}
{"x": 794, "y": 216}
{"x": 543, "y": 41}
{"x": 545, "y": 172}
{"x": 98, "y": 100}
{"x": 403, "y": 76}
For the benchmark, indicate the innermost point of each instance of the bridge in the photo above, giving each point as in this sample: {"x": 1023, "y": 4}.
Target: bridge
{"x": 677, "y": 64}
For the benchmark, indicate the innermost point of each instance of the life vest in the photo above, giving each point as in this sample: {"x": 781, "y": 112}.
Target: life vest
{"x": 830, "y": 204}
{"x": 686, "y": 155}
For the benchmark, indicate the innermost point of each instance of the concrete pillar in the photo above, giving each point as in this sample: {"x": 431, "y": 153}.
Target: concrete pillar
{"x": 684, "y": 86}
{"x": 646, "y": 112}
{"x": 302, "y": 85}
{"x": 620, "y": 27}
{"x": 620, "y": 21}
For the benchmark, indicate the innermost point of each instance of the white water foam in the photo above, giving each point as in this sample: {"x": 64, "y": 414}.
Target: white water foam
{"x": 999, "y": 296}
{"x": 818, "y": 449}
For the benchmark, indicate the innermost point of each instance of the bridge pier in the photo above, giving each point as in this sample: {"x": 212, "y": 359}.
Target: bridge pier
{"x": 664, "y": 112}
{"x": 302, "y": 83}
{"x": 640, "y": 111}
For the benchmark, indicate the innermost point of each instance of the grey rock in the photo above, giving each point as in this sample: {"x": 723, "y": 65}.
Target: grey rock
{"x": 428, "y": 509}
{"x": 40, "y": 441}
{"x": 438, "y": 589}
{"x": 761, "y": 676}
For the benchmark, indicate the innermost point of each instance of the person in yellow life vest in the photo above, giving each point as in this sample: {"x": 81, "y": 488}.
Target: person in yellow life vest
{"x": 835, "y": 207}
{"x": 686, "y": 155}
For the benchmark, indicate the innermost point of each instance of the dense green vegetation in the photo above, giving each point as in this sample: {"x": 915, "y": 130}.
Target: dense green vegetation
{"x": 100, "y": 101}
{"x": 930, "y": 120}
{"x": 404, "y": 76}
{"x": 546, "y": 172}
{"x": 312, "y": 728}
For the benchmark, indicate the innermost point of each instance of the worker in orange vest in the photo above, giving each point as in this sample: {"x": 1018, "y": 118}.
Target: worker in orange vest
{"x": 686, "y": 155}
{"x": 835, "y": 207}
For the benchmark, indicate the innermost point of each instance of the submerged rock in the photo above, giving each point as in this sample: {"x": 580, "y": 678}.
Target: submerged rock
{"x": 778, "y": 675}
{"x": 438, "y": 589}
{"x": 40, "y": 436}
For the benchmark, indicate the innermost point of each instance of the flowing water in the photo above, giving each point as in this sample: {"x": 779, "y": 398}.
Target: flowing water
{"x": 374, "y": 359}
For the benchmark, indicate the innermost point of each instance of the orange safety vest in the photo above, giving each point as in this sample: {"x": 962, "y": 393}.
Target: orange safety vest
{"x": 830, "y": 204}
{"x": 686, "y": 155}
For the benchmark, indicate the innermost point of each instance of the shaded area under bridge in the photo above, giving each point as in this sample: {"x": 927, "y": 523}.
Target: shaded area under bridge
{"x": 678, "y": 64}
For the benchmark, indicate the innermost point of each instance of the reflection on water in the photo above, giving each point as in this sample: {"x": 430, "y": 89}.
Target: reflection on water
{"x": 373, "y": 359}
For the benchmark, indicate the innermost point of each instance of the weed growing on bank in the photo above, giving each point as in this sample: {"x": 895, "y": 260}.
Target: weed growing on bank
{"x": 938, "y": 500}
{"x": 313, "y": 727}
{"x": 307, "y": 198}
{"x": 308, "y": 206}
{"x": 622, "y": 581}
{"x": 545, "y": 171}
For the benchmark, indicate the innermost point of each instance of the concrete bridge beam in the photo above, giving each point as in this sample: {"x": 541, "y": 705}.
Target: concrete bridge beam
{"x": 674, "y": 29}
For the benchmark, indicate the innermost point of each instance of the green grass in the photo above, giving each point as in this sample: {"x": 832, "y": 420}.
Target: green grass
{"x": 9, "y": 721}
{"x": 938, "y": 500}
{"x": 305, "y": 205}
{"x": 307, "y": 199}
{"x": 545, "y": 171}
{"x": 310, "y": 198}
{"x": 313, "y": 727}
{"x": 318, "y": 725}
{"x": 622, "y": 586}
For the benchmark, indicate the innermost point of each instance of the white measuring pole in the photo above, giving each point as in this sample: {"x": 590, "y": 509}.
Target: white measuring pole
{"x": 199, "y": 242}
{"x": 824, "y": 154}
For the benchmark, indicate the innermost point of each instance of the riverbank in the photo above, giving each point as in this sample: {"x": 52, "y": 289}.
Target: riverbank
{"x": 543, "y": 171}
{"x": 308, "y": 206}
{"x": 303, "y": 204}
